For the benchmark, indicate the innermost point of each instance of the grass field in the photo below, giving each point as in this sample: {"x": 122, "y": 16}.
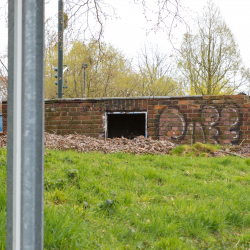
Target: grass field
{"x": 122, "y": 201}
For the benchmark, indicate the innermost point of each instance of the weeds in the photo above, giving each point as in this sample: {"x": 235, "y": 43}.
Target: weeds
{"x": 198, "y": 149}
{"x": 72, "y": 173}
{"x": 108, "y": 206}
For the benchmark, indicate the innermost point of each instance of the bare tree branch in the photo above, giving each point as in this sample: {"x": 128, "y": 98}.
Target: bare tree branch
{"x": 3, "y": 65}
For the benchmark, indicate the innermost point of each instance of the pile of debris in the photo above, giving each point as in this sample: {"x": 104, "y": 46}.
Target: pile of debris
{"x": 138, "y": 145}
{"x": 3, "y": 141}
{"x": 82, "y": 143}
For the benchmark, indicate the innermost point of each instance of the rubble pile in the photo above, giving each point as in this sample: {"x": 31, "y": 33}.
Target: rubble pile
{"x": 244, "y": 151}
{"x": 81, "y": 143}
{"x": 138, "y": 145}
{"x": 3, "y": 141}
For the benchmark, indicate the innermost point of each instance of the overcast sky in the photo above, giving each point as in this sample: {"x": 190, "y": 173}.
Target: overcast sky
{"x": 128, "y": 33}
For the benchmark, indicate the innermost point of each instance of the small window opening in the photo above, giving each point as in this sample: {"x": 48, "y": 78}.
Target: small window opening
{"x": 127, "y": 125}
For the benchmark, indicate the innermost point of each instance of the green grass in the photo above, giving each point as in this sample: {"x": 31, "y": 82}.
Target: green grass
{"x": 198, "y": 149}
{"x": 122, "y": 201}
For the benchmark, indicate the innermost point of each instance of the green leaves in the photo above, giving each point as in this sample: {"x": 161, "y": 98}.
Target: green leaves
{"x": 108, "y": 206}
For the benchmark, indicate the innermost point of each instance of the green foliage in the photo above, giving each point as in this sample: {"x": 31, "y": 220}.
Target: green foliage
{"x": 122, "y": 201}
{"x": 108, "y": 205}
{"x": 109, "y": 73}
{"x": 59, "y": 183}
{"x": 198, "y": 149}
{"x": 72, "y": 173}
{"x": 247, "y": 161}
{"x": 62, "y": 230}
{"x": 157, "y": 73}
{"x": 65, "y": 20}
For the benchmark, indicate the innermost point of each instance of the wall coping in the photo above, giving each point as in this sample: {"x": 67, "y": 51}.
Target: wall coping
{"x": 119, "y": 98}
{"x": 138, "y": 98}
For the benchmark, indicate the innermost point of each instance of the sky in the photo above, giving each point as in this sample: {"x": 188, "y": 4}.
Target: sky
{"x": 129, "y": 32}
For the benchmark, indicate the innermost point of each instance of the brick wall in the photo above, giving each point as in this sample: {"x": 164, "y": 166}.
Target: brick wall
{"x": 68, "y": 117}
{"x": 206, "y": 119}
{"x": 85, "y": 116}
{"x": 4, "y": 116}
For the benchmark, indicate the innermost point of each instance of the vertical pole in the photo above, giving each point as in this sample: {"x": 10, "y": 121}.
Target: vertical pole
{"x": 60, "y": 49}
{"x": 84, "y": 96}
{"x": 84, "y": 66}
{"x": 25, "y": 125}
{"x": 14, "y": 125}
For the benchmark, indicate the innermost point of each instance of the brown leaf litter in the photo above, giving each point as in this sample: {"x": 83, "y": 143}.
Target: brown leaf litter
{"x": 82, "y": 143}
{"x": 138, "y": 145}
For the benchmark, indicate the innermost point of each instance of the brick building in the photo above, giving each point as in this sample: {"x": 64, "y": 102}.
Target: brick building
{"x": 184, "y": 120}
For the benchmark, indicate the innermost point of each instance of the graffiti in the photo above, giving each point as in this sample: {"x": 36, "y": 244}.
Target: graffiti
{"x": 172, "y": 124}
{"x": 184, "y": 122}
{"x": 209, "y": 124}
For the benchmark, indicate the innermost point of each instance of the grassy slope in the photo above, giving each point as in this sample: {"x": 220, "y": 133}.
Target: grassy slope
{"x": 120, "y": 201}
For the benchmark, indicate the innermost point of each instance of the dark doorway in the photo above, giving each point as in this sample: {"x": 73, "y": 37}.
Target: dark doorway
{"x": 127, "y": 125}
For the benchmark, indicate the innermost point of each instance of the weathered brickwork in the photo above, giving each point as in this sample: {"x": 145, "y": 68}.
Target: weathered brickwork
{"x": 4, "y": 117}
{"x": 68, "y": 117}
{"x": 184, "y": 120}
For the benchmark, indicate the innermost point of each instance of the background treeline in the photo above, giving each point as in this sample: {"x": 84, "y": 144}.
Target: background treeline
{"x": 207, "y": 61}
{"x": 110, "y": 72}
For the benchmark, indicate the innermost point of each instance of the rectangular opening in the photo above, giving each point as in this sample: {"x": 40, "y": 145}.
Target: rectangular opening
{"x": 126, "y": 124}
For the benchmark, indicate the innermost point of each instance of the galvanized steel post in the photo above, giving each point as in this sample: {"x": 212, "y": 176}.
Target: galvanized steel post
{"x": 84, "y": 66}
{"x": 84, "y": 95}
{"x": 25, "y": 125}
{"x": 60, "y": 49}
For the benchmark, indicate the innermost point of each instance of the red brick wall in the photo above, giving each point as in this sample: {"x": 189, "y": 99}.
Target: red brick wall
{"x": 68, "y": 117}
{"x": 207, "y": 119}
{"x": 4, "y": 116}
{"x": 85, "y": 117}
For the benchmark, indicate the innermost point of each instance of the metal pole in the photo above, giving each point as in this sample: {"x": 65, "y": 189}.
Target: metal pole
{"x": 25, "y": 125}
{"x": 84, "y": 96}
{"x": 14, "y": 125}
{"x": 84, "y": 66}
{"x": 60, "y": 49}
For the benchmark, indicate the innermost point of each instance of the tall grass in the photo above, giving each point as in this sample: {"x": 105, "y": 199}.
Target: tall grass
{"x": 122, "y": 201}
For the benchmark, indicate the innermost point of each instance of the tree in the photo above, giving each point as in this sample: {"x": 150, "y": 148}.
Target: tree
{"x": 51, "y": 53}
{"x": 157, "y": 73}
{"x": 92, "y": 14}
{"x": 3, "y": 80}
{"x": 86, "y": 19}
{"x": 3, "y": 54}
{"x": 108, "y": 74}
{"x": 209, "y": 58}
